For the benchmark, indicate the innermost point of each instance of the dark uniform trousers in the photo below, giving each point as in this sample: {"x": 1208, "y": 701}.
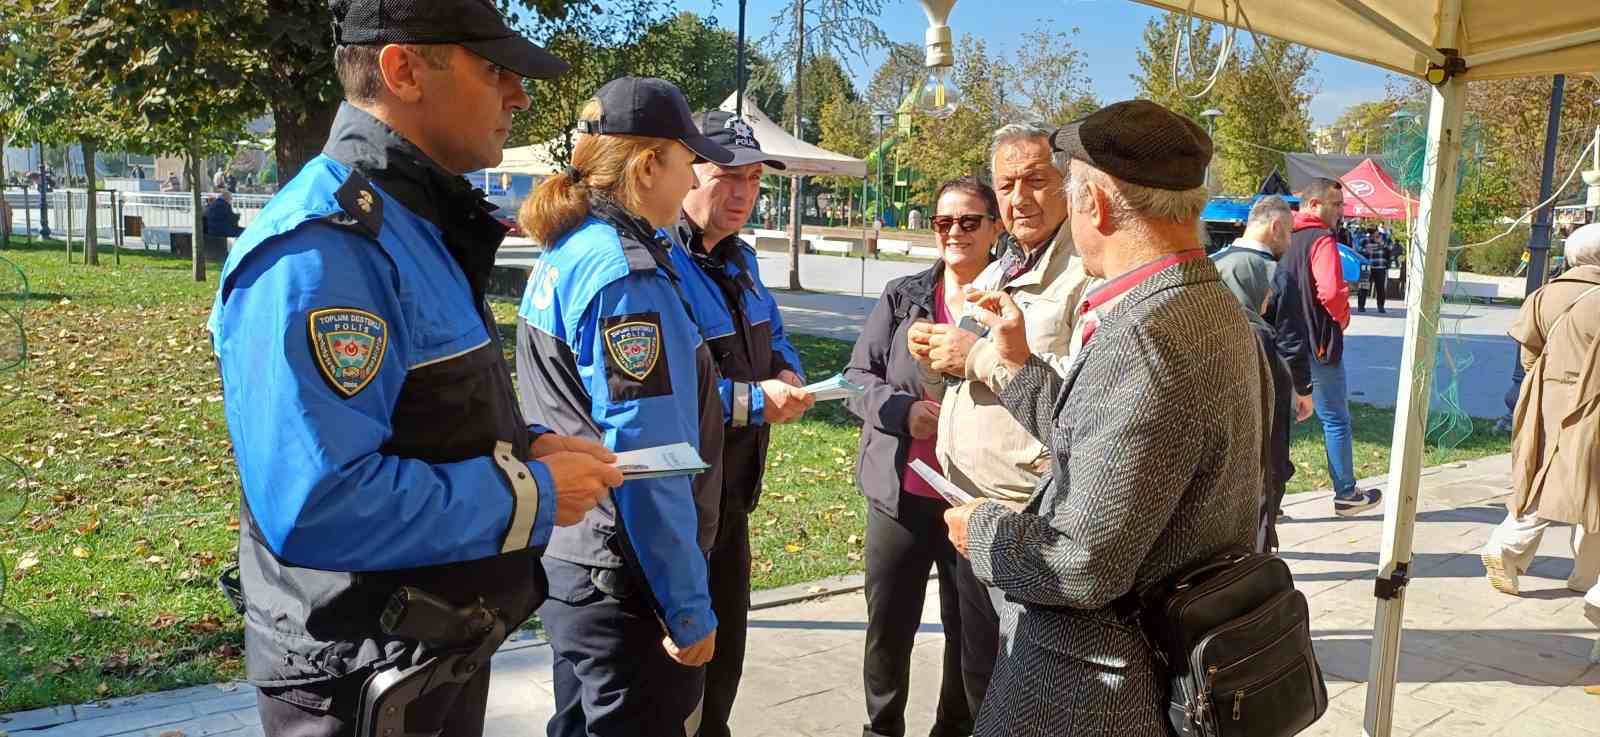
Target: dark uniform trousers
{"x": 899, "y": 553}
{"x": 328, "y": 709}
{"x": 729, "y": 571}
{"x": 611, "y": 676}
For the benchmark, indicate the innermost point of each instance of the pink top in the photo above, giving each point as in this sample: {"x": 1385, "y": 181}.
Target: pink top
{"x": 923, "y": 449}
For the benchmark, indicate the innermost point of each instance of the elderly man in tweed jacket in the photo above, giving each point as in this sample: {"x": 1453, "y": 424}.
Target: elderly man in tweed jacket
{"x": 1155, "y": 433}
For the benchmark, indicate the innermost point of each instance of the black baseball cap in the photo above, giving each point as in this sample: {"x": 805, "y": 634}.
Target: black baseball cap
{"x": 474, "y": 24}
{"x": 646, "y": 106}
{"x": 1140, "y": 142}
{"x": 734, "y": 133}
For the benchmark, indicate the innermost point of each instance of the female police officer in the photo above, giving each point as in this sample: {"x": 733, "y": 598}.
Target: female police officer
{"x": 606, "y": 349}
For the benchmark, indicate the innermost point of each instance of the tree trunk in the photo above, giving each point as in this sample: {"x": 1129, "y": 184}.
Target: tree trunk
{"x": 300, "y": 138}
{"x": 798, "y": 183}
{"x": 5, "y": 209}
{"x": 197, "y": 243}
{"x": 91, "y": 220}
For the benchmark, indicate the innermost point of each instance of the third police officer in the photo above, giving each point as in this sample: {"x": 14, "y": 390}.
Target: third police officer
{"x": 759, "y": 375}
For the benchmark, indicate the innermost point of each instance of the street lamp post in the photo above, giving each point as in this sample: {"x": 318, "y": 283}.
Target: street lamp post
{"x": 1211, "y": 115}
{"x": 882, "y": 118}
{"x": 44, "y": 204}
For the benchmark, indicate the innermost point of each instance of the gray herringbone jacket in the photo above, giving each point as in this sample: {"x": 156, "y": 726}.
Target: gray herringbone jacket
{"x": 1156, "y": 437}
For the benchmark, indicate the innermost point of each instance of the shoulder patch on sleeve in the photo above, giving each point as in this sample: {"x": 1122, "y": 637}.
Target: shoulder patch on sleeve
{"x": 362, "y": 207}
{"x": 349, "y": 345}
{"x": 636, "y": 365}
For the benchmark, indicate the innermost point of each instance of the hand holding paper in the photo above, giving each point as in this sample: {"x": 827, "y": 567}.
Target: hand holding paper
{"x": 834, "y": 387}
{"x": 946, "y": 489}
{"x": 678, "y": 459}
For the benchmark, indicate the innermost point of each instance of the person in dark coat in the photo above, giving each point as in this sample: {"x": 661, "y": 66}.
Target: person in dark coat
{"x": 220, "y": 223}
{"x": 905, "y": 525}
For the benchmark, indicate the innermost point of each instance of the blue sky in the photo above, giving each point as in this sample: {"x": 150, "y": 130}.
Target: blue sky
{"x": 1109, "y": 32}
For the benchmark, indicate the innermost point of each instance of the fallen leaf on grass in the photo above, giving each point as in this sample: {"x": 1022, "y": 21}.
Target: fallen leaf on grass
{"x": 163, "y": 621}
{"x": 102, "y": 689}
{"x": 207, "y": 623}
{"x": 98, "y": 613}
{"x": 80, "y": 552}
{"x": 792, "y": 548}
{"x": 854, "y": 540}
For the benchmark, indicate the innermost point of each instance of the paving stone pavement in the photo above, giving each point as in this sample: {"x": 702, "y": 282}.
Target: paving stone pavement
{"x": 1474, "y": 662}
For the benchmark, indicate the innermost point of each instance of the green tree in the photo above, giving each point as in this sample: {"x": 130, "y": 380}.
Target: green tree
{"x": 1265, "y": 100}
{"x": 1198, "y": 56}
{"x": 801, "y": 29}
{"x": 46, "y": 99}
{"x": 600, "y": 46}
{"x": 899, "y": 73}
{"x": 1361, "y": 127}
{"x": 1049, "y": 79}
{"x": 174, "y": 72}
{"x": 846, "y": 127}
{"x": 957, "y": 145}
{"x": 823, "y": 80}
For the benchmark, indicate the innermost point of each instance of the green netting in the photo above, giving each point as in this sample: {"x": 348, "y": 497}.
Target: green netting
{"x": 15, "y": 483}
{"x": 1405, "y": 145}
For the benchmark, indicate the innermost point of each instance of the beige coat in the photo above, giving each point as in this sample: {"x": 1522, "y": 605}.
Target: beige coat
{"x": 981, "y": 447}
{"x": 1555, "y": 454}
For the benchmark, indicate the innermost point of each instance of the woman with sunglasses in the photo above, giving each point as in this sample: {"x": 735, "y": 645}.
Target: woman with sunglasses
{"x": 905, "y": 522}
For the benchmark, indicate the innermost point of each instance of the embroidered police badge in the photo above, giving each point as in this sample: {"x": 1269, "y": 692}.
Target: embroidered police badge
{"x": 349, "y": 345}
{"x": 634, "y": 347}
{"x": 636, "y": 366}
{"x": 743, "y": 134}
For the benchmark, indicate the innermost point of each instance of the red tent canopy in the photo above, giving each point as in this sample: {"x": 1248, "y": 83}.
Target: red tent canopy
{"x": 1369, "y": 192}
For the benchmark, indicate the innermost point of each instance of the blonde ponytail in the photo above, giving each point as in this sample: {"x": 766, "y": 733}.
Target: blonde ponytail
{"x": 601, "y": 164}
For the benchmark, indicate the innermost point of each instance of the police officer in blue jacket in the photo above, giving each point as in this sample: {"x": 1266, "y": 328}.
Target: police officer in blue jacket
{"x": 377, "y": 434}
{"x": 760, "y": 375}
{"x": 607, "y": 349}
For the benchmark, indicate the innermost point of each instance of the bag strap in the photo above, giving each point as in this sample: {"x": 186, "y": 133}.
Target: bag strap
{"x": 1568, "y": 311}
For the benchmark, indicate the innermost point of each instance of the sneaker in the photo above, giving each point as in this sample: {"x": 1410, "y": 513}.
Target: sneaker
{"x": 1356, "y": 501}
{"x": 1501, "y": 578}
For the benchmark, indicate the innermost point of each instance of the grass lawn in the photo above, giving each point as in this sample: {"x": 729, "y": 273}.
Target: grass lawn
{"x": 132, "y": 504}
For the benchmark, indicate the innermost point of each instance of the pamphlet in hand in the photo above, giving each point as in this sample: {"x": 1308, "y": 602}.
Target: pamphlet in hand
{"x": 946, "y": 489}
{"x": 678, "y": 459}
{"x": 834, "y": 387}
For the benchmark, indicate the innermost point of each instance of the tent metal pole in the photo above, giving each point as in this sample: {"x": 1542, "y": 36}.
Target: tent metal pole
{"x": 1431, "y": 247}
{"x": 1577, "y": 38}
{"x": 1382, "y": 23}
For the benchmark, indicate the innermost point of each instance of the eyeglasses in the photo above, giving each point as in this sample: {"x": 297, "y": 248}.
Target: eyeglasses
{"x": 969, "y": 223}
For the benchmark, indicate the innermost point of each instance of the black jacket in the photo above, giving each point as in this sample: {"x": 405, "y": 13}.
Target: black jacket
{"x": 882, "y": 364}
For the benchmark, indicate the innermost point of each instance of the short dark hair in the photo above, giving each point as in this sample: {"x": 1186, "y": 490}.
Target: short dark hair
{"x": 1320, "y": 188}
{"x": 970, "y": 185}
{"x": 357, "y": 67}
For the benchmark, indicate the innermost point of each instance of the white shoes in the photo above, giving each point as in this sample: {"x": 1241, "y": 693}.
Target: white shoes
{"x": 1503, "y": 579}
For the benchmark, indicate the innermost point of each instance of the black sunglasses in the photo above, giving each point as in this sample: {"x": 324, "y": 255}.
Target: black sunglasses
{"x": 969, "y": 223}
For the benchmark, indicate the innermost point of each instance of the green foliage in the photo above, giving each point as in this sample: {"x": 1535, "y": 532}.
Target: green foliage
{"x": 895, "y": 77}
{"x": 846, "y": 127}
{"x": 823, "y": 79}
{"x": 634, "y": 38}
{"x": 1265, "y": 102}
{"x": 1263, "y": 92}
{"x": 1155, "y": 78}
{"x": 1049, "y": 77}
{"x": 1361, "y": 127}
{"x": 959, "y": 144}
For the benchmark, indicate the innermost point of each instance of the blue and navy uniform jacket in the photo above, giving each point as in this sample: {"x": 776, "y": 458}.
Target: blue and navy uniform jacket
{"x": 372, "y": 413}
{"x": 740, "y": 321}
{"x": 607, "y": 349}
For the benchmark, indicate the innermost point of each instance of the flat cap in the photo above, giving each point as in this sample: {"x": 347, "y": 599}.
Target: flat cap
{"x": 1140, "y": 142}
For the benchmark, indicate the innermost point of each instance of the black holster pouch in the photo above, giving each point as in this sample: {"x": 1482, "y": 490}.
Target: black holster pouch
{"x": 453, "y": 644}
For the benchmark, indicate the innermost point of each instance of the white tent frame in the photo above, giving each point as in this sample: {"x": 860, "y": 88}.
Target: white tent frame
{"x": 1448, "y": 72}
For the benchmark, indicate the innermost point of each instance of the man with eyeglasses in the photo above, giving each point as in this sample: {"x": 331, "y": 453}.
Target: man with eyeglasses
{"x": 981, "y": 447}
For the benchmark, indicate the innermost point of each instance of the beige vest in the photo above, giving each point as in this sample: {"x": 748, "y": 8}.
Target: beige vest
{"x": 981, "y": 447}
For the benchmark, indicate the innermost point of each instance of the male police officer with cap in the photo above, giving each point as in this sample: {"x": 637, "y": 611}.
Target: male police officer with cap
{"x": 378, "y": 438}
{"x": 760, "y": 376}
